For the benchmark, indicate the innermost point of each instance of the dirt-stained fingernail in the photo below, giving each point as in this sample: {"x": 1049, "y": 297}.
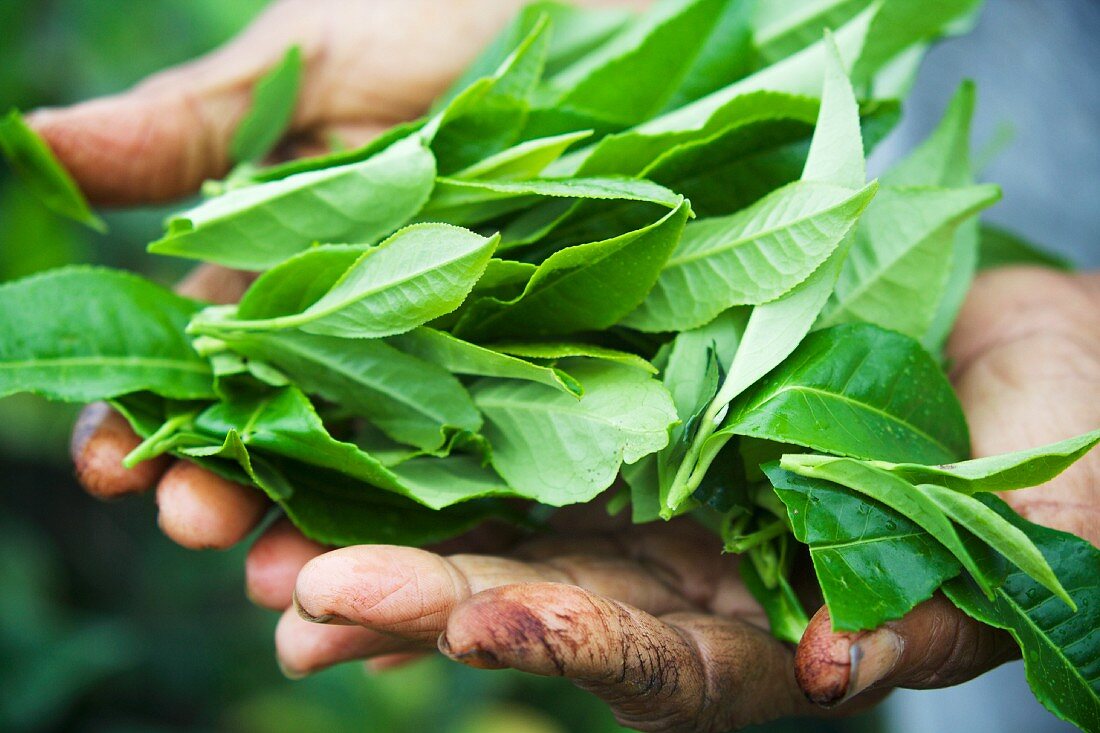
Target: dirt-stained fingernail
{"x": 475, "y": 657}
{"x": 873, "y": 657}
{"x": 324, "y": 618}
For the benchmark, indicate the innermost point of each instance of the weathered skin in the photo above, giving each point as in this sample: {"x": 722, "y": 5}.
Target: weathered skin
{"x": 651, "y": 619}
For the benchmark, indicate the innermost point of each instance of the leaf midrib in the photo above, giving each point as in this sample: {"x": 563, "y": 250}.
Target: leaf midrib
{"x": 730, "y": 246}
{"x": 863, "y": 405}
{"x": 109, "y": 361}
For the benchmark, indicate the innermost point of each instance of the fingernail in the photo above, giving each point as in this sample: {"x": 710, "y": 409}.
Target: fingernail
{"x": 476, "y": 657}
{"x": 872, "y": 658}
{"x": 326, "y": 618}
{"x": 289, "y": 673}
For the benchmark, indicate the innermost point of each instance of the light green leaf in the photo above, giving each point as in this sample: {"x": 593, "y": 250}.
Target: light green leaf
{"x": 418, "y": 274}
{"x": 470, "y": 202}
{"x": 82, "y": 334}
{"x": 524, "y": 161}
{"x": 273, "y": 101}
{"x": 988, "y": 526}
{"x": 1018, "y": 470}
{"x": 559, "y": 450}
{"x": 256, "y": 227}
{"x": 36, "y": 166}
{"x": 784, "y": 27}
{"x": 944, "y": 160}
{"x": 901, "y": 258}
{"x": 551, "y": 351}
{"x": 462, "y": 357}
{"x": 751, "y": 257}
{"x": 299, "y": 282}
{"x": 411, "y": 400}
{"x": 585, "y": 287}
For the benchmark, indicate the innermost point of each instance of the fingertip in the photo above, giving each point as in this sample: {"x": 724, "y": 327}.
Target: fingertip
{"x": 101, "y": 439}
{"x": 303, "y": 648}
{"x": 273, "y": 564}
{"x": 398, "y": 590}
{"x": 200, "y": 510}
{"x": 511, "y": 626}
{"x": 823, "y": 661}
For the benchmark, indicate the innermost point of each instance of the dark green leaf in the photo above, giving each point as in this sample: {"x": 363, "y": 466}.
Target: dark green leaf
{"x": 872, "y": 563}
{"x": 1060, "y": 647}
{"x": 1001, "y": 248}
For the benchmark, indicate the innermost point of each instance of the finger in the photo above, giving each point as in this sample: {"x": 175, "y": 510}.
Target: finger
{"x": 935, "y": 645}
{"x": 163, "y": 138}
{"x": 273, "y": 563}
{"x": 681, "y": 672}
{"x": 215, "y": 284}
{"x": 410, "y": 592}
{"x": 101, "y": 439}
{"x": 200, "y": 510}
{"x": 302, "y": 648}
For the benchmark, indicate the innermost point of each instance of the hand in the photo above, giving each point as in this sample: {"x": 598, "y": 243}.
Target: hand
{"x": 368, "y": 65}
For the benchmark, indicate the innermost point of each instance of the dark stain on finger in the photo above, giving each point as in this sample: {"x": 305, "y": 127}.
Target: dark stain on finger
{"x": 823, "y": 663}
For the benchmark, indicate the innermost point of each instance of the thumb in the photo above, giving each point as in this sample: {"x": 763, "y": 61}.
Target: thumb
{"x": 162, "y": 138}
{"x": 934, "y": 645}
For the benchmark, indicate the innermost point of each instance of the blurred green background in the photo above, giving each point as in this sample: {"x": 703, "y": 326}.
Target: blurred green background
{"x": 104, "y": 624}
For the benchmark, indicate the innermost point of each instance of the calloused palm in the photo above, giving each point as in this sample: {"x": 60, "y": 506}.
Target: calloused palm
{"x": 651, "y": 619}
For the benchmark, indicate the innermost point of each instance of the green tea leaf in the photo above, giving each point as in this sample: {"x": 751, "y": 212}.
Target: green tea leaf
{"x": 1001, "y": 248}
{"x": 631, "y": 77}
{"x": 524, "y": 161}
{"x": 1018, "y": 470}
{"x": 39, "y": 170}
{"x": 998, "y": 533}
{"x": 285, "y": 424}
{"x": 899, "y": 495}
{"x": 751, "y": 257}
{"x": 585, "y": 287}
{"x": 786, "y": 617}
{"x": 299, "y": 282}
{"x": 273, "y": 101}
{"x": 552, "y": 351}
{"x": 472, "y": 202}
{"x": 782, "y": 28}
{"x": 488, "y": 116}
{"x": 857, "y": 390}
{"x": 462, "y": 357}
{"x": 256, "y": 227}
{"x": 559, "y": 450}
{"x": 1060, "y": 647}
{"x": 81, "y": 334}
{"x": 411, "y": 400}
{"x": 422, "y": 272}
{"x": 872, "y": 563}
{"x": 902, "y": 256}
{"x": 944, "y": 160}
